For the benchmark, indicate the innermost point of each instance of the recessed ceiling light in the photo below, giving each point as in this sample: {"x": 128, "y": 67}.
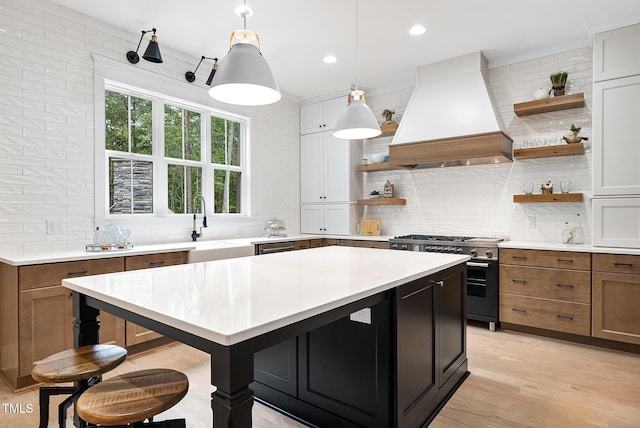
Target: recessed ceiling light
{"x": 416, "y": 30}
{"x": 329, "y": 59}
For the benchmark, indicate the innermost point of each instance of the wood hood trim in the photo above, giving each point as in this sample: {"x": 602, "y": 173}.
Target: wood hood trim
{"x": 474, "y": 149}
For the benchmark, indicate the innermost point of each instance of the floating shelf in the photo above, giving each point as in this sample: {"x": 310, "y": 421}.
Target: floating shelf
{"x": 382, "y": 201}
{"x": 549, "y": 151}
{"x": 546, "y": 105}
{"x": 554, "y": 197}
{"x": 387, "y": 129}
{"x": 382, "y": 166}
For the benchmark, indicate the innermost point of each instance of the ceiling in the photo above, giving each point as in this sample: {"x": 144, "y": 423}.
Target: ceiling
{"x": 296, "y": 35}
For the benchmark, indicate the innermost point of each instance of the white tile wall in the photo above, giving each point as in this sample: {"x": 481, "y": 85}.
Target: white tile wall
{"x": 47, "y": 133}
{"x": 477, "y": 200}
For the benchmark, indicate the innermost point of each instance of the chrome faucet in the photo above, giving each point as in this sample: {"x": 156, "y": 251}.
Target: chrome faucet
{"x": 194, "y": 234}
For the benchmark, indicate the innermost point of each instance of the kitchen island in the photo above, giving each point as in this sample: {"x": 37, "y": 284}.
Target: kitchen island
{"x": 235, "y": 308}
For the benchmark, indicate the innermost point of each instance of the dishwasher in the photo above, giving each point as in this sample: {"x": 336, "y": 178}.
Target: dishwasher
{"x": 276, "y": 247}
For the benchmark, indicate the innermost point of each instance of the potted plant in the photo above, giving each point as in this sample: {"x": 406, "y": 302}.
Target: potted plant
{"x": 375, "y": 194}
{"x": 558, "y": 82}
{"x": 573, "y": 136}
{"x": 547, "y": 187}
{"x": 388, "y": 116}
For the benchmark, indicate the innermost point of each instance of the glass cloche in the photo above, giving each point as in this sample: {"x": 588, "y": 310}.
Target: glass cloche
{"x": 275, "y": 227}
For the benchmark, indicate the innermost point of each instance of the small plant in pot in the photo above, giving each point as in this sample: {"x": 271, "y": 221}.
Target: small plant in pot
{"x": 558, "y": 82}
{"x": 573, "y": 136}
{"x": 375, "y": 194}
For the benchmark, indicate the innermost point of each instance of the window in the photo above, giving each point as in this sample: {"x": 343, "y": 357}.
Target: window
{"x": 161, "y": 152}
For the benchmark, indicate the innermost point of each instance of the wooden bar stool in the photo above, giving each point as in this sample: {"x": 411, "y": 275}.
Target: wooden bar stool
{"x": 133, "y": 397}
{"x": 84, "y": 365}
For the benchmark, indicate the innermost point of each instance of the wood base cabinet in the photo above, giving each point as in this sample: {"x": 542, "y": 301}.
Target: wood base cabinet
{"x": 616, "y": 297}
{"x": 546, "y": 289}
{"x": 392, "y": 365}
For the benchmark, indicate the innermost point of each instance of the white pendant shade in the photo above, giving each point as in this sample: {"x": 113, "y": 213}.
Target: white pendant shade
{"x": 357, "y": 121}
{"x": 244, "y": 78}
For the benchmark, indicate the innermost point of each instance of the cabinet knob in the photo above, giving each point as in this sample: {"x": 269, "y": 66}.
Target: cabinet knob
{"x": 440, "y": 283}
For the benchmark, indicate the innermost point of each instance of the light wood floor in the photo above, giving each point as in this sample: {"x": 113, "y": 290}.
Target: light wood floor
{"x": 516, "y": 380}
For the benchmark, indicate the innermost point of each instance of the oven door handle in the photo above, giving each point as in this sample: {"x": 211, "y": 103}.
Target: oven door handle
{"x": 476, "y": 264}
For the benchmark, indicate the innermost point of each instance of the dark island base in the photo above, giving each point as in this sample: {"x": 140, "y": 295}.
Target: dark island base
{"x": 304, "y": 412}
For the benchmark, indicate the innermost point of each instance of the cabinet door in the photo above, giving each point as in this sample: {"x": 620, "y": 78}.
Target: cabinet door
{"x": 415, "y": 332}
{"x": 451, "y": 321}
{"x": 616, "y": 222}
{"x": 616, "y": 299}
{"x": 337, "y": 169}
{"x": 616, "y": 53}
{"x": 333, "y": 108}
{"x": 336, "y": 219}
{"x": 344, "y": 368}
{"x": 312, "y": 219}
{"x": 45, "y": 327}
{"x": 312, "y": 168}
{"x": 277, "y": 367}
{"x": 312, "y": 118}
{"x": 616, "y": 154}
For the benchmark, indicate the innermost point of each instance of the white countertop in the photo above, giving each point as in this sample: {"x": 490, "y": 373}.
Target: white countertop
{"x": 231, "y": 300}
{"x": 586, "y": 248}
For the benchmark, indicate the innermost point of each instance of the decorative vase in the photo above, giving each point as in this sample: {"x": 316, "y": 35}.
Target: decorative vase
{"x": 388, "y": 119}
{"x": 547, "y": 191}
{"x": 558, "y": 91}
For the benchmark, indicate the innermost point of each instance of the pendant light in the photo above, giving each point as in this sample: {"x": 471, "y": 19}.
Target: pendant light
{"x": 243, "y": 76}
{"x": 357, "y": 121}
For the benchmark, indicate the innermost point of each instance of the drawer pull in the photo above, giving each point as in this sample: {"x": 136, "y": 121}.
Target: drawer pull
{"x": 519, "y": 257}
{"x": 440, "y": 283}
{"x": 521, "y": 281}
{"x": 565, "y": 260}
{"x": 565, "y": 285}
{"x": 565, "y": 317}
{"x": 157, "y": 263}
{"x": 623, "y": 264}
{"x": 78, "y": 272}
{"x": 522, "y": 311}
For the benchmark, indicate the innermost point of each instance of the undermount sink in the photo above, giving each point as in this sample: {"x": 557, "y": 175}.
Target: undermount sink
{"x": 217, "y": 250}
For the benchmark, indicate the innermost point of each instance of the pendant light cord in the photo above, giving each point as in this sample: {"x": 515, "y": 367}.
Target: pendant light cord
{"x": 357, "y": 60}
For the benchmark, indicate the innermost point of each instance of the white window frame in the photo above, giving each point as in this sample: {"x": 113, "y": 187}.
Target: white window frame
{"x": 113, "y": 75}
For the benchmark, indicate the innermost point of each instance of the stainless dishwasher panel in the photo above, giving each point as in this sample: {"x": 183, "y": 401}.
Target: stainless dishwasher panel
{"x": 276, "y": 247}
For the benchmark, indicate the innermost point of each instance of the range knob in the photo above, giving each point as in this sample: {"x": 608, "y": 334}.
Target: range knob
{"x": 473, "y": 253}
{"x": 394, "y": 246}
{"x": 489, "y": 254}
{"x": 459, "y": 250}
{"x": 403, "y": 246}
{"x": 416, "y": 247}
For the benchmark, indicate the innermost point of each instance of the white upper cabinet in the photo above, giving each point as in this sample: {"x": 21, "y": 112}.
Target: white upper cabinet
{"x": 327, "y": 168}
{"x": 616, "y": 152}
{"x": 322, "y": 116}
{"x": 616, "y": 53}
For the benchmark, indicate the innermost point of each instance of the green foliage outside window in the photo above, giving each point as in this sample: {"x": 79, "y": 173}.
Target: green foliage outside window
{"x": 128, "y": 123}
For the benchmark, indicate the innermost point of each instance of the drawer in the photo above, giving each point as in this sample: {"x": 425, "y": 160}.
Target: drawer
{"x": 155, "y": 260}
{"x": 302, "y": 244}
{"x": 616, "y": 263}
{"x": 566, "y": 317}
{"x": 560, "y": 284}
{"x": 51, "y": 274}
{"x": 544, "y": 258}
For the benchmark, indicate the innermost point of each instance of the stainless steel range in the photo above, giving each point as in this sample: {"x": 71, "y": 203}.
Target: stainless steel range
{"x": 482, "y": 269}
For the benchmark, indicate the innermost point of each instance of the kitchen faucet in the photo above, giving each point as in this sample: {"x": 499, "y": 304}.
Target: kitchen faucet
{"x": 195, "y": 235}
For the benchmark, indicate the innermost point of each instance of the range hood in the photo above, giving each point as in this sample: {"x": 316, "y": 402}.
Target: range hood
{"x": 450, "y": 119}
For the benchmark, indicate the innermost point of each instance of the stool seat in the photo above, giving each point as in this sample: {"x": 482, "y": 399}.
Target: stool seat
{"x": 78, "y": 363}
{"x": 132, "y": 397}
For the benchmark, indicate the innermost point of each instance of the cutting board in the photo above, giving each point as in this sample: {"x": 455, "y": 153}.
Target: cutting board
{"x": 369, "y": 227}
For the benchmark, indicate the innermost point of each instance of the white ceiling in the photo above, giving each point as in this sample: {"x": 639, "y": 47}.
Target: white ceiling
{"x": 296, "y": 34}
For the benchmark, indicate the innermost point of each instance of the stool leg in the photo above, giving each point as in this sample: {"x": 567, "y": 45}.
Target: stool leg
{"x": 44, "y": 408}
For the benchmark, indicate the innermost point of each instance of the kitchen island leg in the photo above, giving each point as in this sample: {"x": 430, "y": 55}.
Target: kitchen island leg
{"x": 231, "y": 374}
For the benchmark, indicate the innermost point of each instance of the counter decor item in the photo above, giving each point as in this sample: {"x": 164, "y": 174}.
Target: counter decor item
{"x": 375, "y": 194}
{"x": 573, "y": 136}
{"x": 274, "y": 227}
{"x": 387, "y": 190}
{"x": 377, "y": 157}
{"x": 111, "y": 237}
{"x": 558, "y": 82}
{"x": 369, "y": 227}
{"x": 546, "y": 187}
{"x": 388, "y": 116}
{"x": 572, "y": 235}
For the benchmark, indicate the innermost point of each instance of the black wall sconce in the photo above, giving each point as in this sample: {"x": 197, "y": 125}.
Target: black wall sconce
{"x": 151, "y": 54}
{"x": 191, "y": 75}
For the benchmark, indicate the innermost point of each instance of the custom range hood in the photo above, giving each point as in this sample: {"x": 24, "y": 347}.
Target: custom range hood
{"x": 451, "y": 119}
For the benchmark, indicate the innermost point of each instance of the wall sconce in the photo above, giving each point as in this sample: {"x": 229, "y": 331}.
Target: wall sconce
{"x": 151, "y": 54}
{"x": 191, "y": 75}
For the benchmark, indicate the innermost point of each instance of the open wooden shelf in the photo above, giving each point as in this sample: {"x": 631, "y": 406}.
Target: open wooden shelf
{"x": 554, "y": 197}
{"x": 387, "y": 129}
{"x": 549, "y": 151}
{"x": 382, "y": 166}
{"x": 382, "y": 201}
{"x": 546, "y": 105}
